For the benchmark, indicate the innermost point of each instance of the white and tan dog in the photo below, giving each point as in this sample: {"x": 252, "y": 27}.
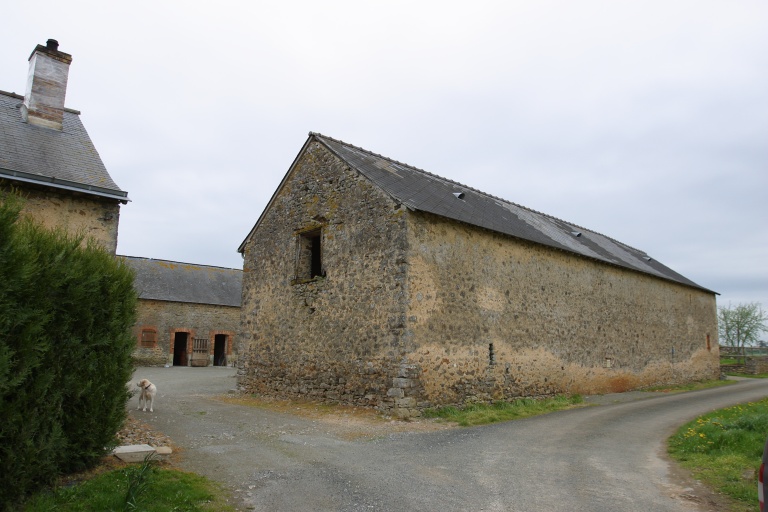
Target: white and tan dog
{"x": 147, "y": 394}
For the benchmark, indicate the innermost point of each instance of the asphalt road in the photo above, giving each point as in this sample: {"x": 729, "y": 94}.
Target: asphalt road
{"x": 604, "y": 458}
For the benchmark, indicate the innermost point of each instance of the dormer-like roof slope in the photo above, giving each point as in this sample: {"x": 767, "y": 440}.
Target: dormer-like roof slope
{"x": 185, "y": 282}
{"x": 422, "y": 191}
{"x": 65, "y": 159}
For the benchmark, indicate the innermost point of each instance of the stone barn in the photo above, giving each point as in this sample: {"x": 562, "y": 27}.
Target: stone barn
{"x": 368, "y": 281}
{"x": 47, "y": 156}
{"x": 187, "y": 314}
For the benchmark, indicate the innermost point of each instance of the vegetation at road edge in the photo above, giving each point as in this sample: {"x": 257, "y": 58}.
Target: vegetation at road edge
{"x": 724, "y": 449}
{"x": 691, "y": 386}
{"x": 750, "y": 376}
{"x": 481, "y": 413}
{"x": 159, "y": 489}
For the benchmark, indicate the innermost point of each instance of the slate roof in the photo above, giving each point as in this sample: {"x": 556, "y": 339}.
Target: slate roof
{"x": 185, "y": 282}
{"x": 422, "y": 191}
{"x": 65, "y": 159}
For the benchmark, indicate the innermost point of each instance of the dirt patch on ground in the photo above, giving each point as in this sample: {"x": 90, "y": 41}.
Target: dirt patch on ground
{"x": 348, "y": 422}
{"x": 138, "y": 432}
{"x": 687, "y": 488}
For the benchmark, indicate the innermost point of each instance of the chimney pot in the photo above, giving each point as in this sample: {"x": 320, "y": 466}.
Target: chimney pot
{"x": 52, "y": 44}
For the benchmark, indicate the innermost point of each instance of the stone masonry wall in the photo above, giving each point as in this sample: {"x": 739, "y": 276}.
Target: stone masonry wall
{"x": 199, "y": 320}
{"x": 493, "y": 317}
{"x": 336, "y": 336}
{"x": 75, "y": 213}
{"x": 408, "y": 310}
{"x": 757, "y": 365}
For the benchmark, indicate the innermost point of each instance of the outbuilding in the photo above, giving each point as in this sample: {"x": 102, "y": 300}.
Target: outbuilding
{"x": 187, "y": 314}
{"x": 369, "y": 281}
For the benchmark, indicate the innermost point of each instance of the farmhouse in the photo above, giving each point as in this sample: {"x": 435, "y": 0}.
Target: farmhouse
{"x": 369, "y": 281}
{"x": 187, "y": 314}
{"x": 46, "y": 155}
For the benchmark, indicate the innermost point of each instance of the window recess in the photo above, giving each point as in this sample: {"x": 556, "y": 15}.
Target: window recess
{"x": 309, "y": 255}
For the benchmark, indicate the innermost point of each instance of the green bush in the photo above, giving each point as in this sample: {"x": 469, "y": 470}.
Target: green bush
{"x": 66, "y": 309}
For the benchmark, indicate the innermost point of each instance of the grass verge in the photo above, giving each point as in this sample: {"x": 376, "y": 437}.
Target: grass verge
{"x": 724, "y": 449}
{"x": 481, "y": 414}
{"x": 748, "y": 375}
{"x": 116, "y": 490}
{"x": 691, "y": 386}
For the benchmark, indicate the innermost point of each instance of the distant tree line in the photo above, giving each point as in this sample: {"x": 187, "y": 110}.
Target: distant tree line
{"x": 741, "y": 326}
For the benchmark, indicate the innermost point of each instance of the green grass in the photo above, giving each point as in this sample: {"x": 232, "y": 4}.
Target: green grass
{"x": 748, "y": 375}
{"x": 482, "y": 414}
{"x": 724, "y": 449}
{"x": 158, "y": 490}
{"x": 691, "y": 386}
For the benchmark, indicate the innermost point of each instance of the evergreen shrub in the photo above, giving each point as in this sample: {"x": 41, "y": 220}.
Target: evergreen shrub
{"x": 66, "y": 309}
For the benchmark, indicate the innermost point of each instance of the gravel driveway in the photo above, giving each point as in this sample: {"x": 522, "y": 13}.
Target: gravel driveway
{"x": 604, "y": 458}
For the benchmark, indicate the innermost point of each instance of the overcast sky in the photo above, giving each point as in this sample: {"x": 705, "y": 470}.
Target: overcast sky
{"x": 646, "y": 121}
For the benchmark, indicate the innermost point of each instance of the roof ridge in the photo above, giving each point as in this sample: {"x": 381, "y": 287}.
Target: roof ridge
{"x": 12, "y": 94}
{"x": 315, "y": 134}
{"x": 176, "y": 262}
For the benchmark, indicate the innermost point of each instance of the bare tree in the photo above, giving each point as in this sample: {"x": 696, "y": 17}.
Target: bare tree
{"x": 740, "y": 326}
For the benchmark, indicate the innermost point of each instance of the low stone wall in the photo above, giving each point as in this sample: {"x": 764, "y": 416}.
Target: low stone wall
{"x": 753, "y": 366}
{"x": 757, "y": 365}
{"x": 733, "y": 368}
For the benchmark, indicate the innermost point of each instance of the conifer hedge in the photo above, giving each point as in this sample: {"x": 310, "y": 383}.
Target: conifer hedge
{"x": 66, "y": 309}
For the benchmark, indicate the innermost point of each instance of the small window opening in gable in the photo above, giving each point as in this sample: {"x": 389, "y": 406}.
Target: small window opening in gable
{"x": 309, "y": 257}
{"x": 148, "y": 338}
{"x": 491, "y": 355}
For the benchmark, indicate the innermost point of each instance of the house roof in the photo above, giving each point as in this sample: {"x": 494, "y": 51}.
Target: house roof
{"x": 65, "y": 159}
{"x": 185, "y": 282}
{"x": 422, "y": 191}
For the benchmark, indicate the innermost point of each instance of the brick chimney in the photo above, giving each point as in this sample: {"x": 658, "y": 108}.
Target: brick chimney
{"x": 46, "y": 86}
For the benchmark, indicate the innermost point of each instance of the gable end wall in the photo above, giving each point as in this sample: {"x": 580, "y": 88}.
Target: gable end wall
{"x": 337, "y": 337}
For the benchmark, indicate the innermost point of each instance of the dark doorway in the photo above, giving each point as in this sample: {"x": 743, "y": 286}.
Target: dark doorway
{"x": 220, "y": 350}
{"x": 180, "y": 348}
